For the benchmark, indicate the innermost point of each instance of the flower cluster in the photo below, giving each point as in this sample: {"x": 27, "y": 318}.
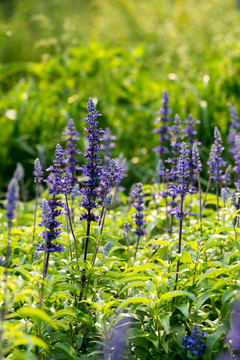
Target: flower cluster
{"x": 51, "y": 226}
{"x": 194, "y": 343}
{"x": 93, "y": 170}
{"x": 112, "y": 175}
{"x": 72, "y": 150}
{"x": 182, "y": 173}
{"x": 189, "y": 132}
{"x": 175, "y": 131}
{"x": 19, "y": 172}
{"x": 163, "y": 130}
{"x": 38, "y": 173}
{"x": 107, "y": 145}
{"x": 196, "y": 159}
{"x": 215, "y": 161}
{"x": 233, "y": 128}
{"x": 11, "y": 199}
{"x": 138, "y": 194}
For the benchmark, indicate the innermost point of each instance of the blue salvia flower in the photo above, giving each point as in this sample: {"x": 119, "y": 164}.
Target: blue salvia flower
{"x": 19, "y": 172}
{"x": 72, "y": 150}
{"x": 189, "y": 132}
{"x": 163, "y": 130}
{"x": 12, "y": 197}
{"x": 58, "y": 184}
{"x": 195, "y": 343}
{"x": 215, "y": 161}
{"x": 52, "y": 226}
{"x": 196, "y": 159}
{"x": 224, "y": 195}
{"x": 233, "y": 128}
{"x": 107, "y": 145}
{"x": 93, "y": 170}
{"x": 112, "y": 175}
{"x": 182, "y": 173}
{"x": 139, "y": 221}
{"x": 38, "y": 173}
{"x": 108, "y": 201}
{"x": 175, "y": 131}
{"x": 226, "y": 177}
{"x": 75, "y": 192}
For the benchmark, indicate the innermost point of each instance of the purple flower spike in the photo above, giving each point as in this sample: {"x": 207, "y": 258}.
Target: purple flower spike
{"x": 112, "y": 175}
{"x": 233, "y": 128}
{"x": 226, "y": 177}
{"x": 11, "y": 200}
{"x": 138, "y": 194}
{"x": 195, "y": 342}
{"x": 182, "y": 173}
{"x": 196, "y": 159}
{"x": 107, "y": 145}
{"x": 163, "y": 130}
{"x": 51, "y": 225}
{"x": 215, "y": 161}
{"x": 72, "y": 150}
{"x": 93, "y": 170}
{"x": 38, "y": 173}
{"x": 19, "y": 172}
{"x": 175, "y": 131}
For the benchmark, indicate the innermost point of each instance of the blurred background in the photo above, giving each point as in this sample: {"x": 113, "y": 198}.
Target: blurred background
{"x": 55, "y": 54}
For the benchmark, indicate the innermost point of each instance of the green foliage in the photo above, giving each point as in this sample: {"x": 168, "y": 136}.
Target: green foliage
{"x": 127, "y": 305}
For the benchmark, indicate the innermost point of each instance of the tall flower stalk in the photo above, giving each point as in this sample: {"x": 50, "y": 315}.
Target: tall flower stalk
{"x": 92, "y": 171}
{"x": 163, "y": 129}
{"x": 216, "y": 163}
{"x": 72, "y": 151}
{"x": 181, "y": 188}
{"x": 12, "y": 197}
{"x": 38, "y": 173}
{"x": 139, "y": 216}
{"x": 197, "y": 169}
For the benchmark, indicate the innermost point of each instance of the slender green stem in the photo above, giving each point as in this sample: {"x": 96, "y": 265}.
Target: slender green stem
{"x": 4, "y": 305}
{"x": 179, "y": 246}
{"x": 71, "y": 227}
{"x": 217, "y": 190}
{"x": 200, "y": 202}
{"x": 207, "y": 190}
{"x": 35, "y": 213}
{"x": 138, "y": 239}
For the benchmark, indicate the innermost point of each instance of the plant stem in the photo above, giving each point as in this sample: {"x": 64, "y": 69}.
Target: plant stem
{"x": 35, "y": 213}
{"x": 4, "y": 305}
{"x": 71, "y": 227}
{"x": 217, "y": 189}
{"x": 179, "y": 245}
{"x": 207, "y": 190}
{"x": 200, "y": 205}
{"x": 137, "y": 246}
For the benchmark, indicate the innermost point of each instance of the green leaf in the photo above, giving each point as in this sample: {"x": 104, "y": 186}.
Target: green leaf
{"x": 36, "y": 315}
{"x": 213, "y": 338}
{"x": 136, "y": 301}
{"x": 173, "y": 294}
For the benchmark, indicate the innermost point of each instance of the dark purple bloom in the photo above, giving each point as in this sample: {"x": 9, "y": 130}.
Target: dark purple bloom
{"x": 75, "y": 192}
{"x": 233, "y": 128}
{"x": 189, "y": 132}
{"x": 139, "y": 221}
{"x": 226, "y": 177}
{"x": 180, "y": 215}
{"x": 163, "y": 130}
{"x": 19, "y": 172}
{"x": 93, "y": 170}
{"x": 175, "y": 131}
{"x": 107, "y": 145}
{"x": 72, "y": 150}
{"x": 215, "y": 161}
{"x": 51, "y": 225}
{"x": 195, "y": 342}
{"x": 11, "y": 200}
{"x": 112, "y": 175}
{"x": 182, "y": 173}
{"x": 38, "y": 173}
{"x": 196, "y": 159}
